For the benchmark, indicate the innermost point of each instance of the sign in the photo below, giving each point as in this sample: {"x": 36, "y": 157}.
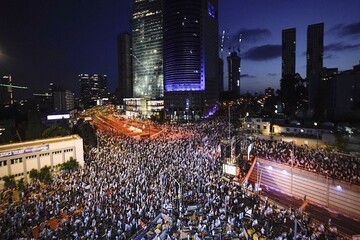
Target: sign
{"x": 20, "y": 151}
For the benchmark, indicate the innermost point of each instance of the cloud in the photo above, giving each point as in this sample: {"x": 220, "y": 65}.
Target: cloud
{"x": 329, "y": 56}
{"x": 272, "y": 74}
{"x": 246, "y": 76}
{"x": 263, "y": 53}
{"x": 340, "y": 46}
{"x": 251, "y": 35}
{"x": 352, "y": 29}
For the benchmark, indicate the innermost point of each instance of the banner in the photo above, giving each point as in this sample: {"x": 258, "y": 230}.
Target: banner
{"x": 20, "y": 151}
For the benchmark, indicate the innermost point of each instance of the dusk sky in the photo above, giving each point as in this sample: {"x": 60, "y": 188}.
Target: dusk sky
{"x": 54, "y": 41}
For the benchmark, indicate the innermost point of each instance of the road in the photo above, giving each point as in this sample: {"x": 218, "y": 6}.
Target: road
{"x": 345, "y": 224}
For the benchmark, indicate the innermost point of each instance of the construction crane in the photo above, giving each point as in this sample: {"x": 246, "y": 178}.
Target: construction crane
{"x": 239, "y": 42}
{"x": 13, "y": 86}
{"x": 10, "y": 87}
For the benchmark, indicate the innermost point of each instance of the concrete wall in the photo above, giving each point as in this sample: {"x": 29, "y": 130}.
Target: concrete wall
{"x": 337, "y": 195}
{"x": 20, "y": 158}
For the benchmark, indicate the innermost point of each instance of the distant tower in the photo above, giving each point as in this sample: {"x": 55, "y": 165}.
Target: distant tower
{"x": 92, "y": 88}
{"x": 288, "y": 52}
{"x": 147, "y": 48}
{"x": 125, "y": 87}
{"x": 233, "y": 61}
{"x": 84, "y": 86}
{"x": 63, "y": 100}
{"x": 314, "y": 64}
{"x": 221, "y": 75}
{"x": 191, "y": 58}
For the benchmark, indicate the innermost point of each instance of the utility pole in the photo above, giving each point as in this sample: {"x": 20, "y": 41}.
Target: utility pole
{"x": 179, "y": 192}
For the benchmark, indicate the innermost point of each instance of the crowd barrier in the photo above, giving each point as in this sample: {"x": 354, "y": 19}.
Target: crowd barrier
{"x": 324, "y": 191}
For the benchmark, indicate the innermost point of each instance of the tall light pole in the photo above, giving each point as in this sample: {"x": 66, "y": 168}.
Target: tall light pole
{"x": 179, "y": 192}
{"x": 317, "y": 134}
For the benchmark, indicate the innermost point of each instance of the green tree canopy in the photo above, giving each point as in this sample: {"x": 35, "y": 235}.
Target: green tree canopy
{"x": 34, "y": 126}
{"x": 56, "y": 131}
{"x": 87, "y": 132}
{"x": 70, "y": 165}
{"x": 9, "y": 182}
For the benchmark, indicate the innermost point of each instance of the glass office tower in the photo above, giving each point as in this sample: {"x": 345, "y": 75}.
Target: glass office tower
{"x": 147, "y": 48}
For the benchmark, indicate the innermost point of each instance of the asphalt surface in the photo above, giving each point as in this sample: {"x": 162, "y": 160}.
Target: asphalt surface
{"x": 345, "y": 224}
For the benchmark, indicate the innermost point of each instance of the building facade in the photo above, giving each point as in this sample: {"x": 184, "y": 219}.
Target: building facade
{"x": 233, "y": 61}
{"x": 288, "y": 52}
{"x": 314, "y": 64}
{"x": 18, "y": 159}
{"x": 125, "y": 74}
{"x": 147, "y": 48}
{"x": 93, "y": 88}
{"x": 341, "y": 93}
{"x": 64, "y": 101}
{"x": 191, "y": 61}
{"x": 143, "y": 107}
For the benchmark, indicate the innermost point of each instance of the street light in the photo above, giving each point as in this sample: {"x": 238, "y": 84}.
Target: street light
{"x": 179, "y": 192}
{"x": 317, "y": 134}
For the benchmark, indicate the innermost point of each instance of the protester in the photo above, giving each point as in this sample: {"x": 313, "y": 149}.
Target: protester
{"x": 127, "y": 182}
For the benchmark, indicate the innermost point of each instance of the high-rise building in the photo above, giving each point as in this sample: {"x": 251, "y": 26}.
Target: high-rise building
{"x": 64, "y": 100}
{"x": 191, "y": 61}
{"x": 92, "y": 89}
{"x": 221, "y": 75}
{"x": 147, "y": 48}
{"x": 288, "y": 52}
{"x": 125, "y": 87}
{"x": 314, "y": 64}
{"x": 341, "y": 92}
{"x": 233, "y": 61}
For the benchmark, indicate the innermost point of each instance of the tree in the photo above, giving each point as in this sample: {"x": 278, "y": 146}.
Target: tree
{"x": 9, "y": 182}
{"x": 34, "y": 174}
{"x": 8, "y": 132}
{"x": 56, "y": 131}
{"x": 21, "y": 184}
{"x": 34, "y": 126}
{"x": 45, "y": 175}
{"x": 340, "y": 141}
{"x": 70, "y": 165}
{"x": 86, "y": 132}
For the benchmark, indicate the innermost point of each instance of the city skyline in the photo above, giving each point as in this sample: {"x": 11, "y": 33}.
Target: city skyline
{"x": 43, "y": 42}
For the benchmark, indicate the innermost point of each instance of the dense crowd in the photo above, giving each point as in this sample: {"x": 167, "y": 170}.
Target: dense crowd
{"x": 332, "y": 164}
{"x": 125, "y": 183}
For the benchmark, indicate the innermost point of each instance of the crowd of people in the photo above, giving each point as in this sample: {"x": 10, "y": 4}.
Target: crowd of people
{"x": 332, "y": 164}
{"x": 126, "y": 182}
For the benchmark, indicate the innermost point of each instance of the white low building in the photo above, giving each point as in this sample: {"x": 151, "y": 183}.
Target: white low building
{"x": 18, "y": 159}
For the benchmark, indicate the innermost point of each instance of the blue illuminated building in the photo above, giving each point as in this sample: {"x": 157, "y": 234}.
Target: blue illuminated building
{"x": 190, "y": 58}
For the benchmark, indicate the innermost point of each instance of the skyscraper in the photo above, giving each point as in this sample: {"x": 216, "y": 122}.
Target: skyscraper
{"x": 191, "y": 61}
{"x": 147, "y": 48}
{"x": 314, "y": 64}
{"x": 125, "y": 87}
{"x": 92, "y": 89}
{"x": 234, "y": 73}
{"x": 288, "y": 53}
{"x": 63, "y": 100}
